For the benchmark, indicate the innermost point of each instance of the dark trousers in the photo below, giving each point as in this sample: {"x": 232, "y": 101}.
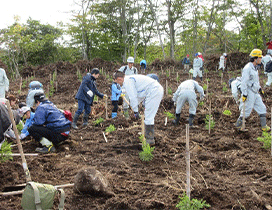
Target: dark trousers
{"x": 115, "y": 106}
{"x": 37, "y": 132}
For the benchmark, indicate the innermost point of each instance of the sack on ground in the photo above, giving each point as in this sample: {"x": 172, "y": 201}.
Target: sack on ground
{"x": 37, "y": 196}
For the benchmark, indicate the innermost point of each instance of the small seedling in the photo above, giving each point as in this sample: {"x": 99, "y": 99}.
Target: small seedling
{"x": 109, "y": 129}
{"x": 79, "y": 76}
{"x": 227, "y": 112}
{"x": 5, "y": 152}
{"x": 208, "y": 79}
{"x": 169, "y": 91}
{"x": 266, "y": 139}
{"x": 205, "y": 87}
{"x": 99, "y": 121}
{"x": 146, "y": 154}
{"x": 51, "y": 89}
{"x": 24, "y": 84}
{"x": 201, "y": 103}
{"x": 225, "y": 89}
{"x": 169, "y": 115}
{"x": 95, "y": 98}
{"x": 20, "y": 126}
{"x": 186, "y": 204}
{"x": 207, "y": 122}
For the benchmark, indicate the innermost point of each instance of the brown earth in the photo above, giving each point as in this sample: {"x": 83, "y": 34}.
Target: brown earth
{"x": 229, "y": 169}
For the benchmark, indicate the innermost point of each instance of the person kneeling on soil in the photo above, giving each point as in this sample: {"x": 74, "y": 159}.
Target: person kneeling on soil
{"x": 26, "y": 113}
{"x": 251, "y": 90}
{"x": 50, "y": 127}
{"x": 85, "y": 96}
{"x": 184, "y": 93}
{"x": 143, "y": 88}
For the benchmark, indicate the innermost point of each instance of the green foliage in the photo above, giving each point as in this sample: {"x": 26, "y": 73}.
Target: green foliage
{"x": 201, "y": 103}
{"x": 205, "y": 87}
{"x": 146, "y": 154}
{"x": 225, "y": 89}
{"x": 207, "y": 122}
{"x": 99, "y": 121}
{"x": 169, "y": 115}
{"x": 227, "y": 112}
{"x": 51, "y": 88}
{"x": 20, "y": 126}
{"x": 111, "y": 128}
{"x": 5, "y": 152}
{"x": 169, "y": 91}
{"x": 208, "y": 79}
{"x": 95, "y": 98}
{"x": 24, "y": 83}
{"x": 79, "y": 75}
{"x": 186, "y": 204}
{"x": 266, "y": 139}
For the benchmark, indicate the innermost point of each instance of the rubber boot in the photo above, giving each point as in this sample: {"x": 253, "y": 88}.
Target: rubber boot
{"x": 85, "y": 120}
{"x": 176, "y": 121}
{"x": 263, "y": 124}
{"x": 113, "y": 115}
{"x": 74, "y": 126}
{"x": 126, "y": 114}
{"x": 48, "y": 146}
{"x": 239, "y": 123}
{"x": 191, "y": 119}
{"x": 149, "y": 135}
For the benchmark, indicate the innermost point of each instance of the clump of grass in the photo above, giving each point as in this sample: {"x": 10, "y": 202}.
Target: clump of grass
{"x": 207, "y": 122}
{"x": 99, "y": 121}
{"x": 5, "y": 152}
{"x": 266, "y": 139}
{"x": 227, "y": 112}
{"x": 146, "y": 154}
{"x": 186, "y": 204}
{"x": 109, "y": 129}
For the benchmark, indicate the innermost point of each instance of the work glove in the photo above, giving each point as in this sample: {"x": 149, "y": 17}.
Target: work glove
{"x": 90, "y": 93}
{"x": 136, "y": 115}
{"x": 261, "y": 92}
{"x": 22, "y": 136}
{"x": 123, "y": 91}
{"x": 244, "y": 98}
{"x": 105, "y": 96}
{"x": 122, "y": 95}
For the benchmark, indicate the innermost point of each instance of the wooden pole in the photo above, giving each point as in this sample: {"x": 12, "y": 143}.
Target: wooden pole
{"x": 143, "y": 126}
{"x": 106, "y": 107}
{"x": 177, "y": 77}
{"x": 210, "y": 107}
{"x": 27, "y": 173}
{"x": 187, "y": 153}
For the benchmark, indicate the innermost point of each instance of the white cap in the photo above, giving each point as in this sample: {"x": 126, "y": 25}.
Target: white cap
{"x": 23, "y": 110}
{"x": 130, "y": 60}
{"x": 225, "y": 54}
{"x": 199, "y": 53}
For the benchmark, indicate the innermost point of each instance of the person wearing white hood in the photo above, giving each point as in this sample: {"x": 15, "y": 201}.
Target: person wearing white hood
{"x": 143, "y": 88}
{"x": 4, "y": 83}
{"x": 222, "y": 61}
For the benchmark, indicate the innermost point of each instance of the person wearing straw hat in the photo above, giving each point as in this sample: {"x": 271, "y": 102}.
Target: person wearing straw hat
{"x": 186, "y": 93}
{"x": 252, "y": 91}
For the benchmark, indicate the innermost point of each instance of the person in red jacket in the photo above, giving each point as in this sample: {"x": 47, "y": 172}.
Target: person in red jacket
{"x": 269, "y": 47}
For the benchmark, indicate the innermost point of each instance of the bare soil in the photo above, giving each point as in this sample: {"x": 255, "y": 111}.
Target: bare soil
{"x": 229, "y": 169}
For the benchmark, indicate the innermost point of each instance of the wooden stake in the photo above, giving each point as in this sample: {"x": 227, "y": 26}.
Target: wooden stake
{"x": 222, "y": 78}
{"x": 18, "y": 154}
{"x": 20, "y": 84}
{"x": 106, "y": 140}
{"x": 166, "y": 87}
{"x": 143, "y": 126}
{"x": 207, "y": 89}
{"x": 27, "y": 173}
{"x": 165, "y": 123}
{"x": 210, "y": 107}
{"x": 177, "y": 77}
{"x": 187, "y": 156}
{"x": 106, "y": 107}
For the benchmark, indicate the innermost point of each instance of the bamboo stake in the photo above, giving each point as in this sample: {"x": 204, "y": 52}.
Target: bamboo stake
{"x": 18, "y": 154}
{"x": 106, "y": 140}
{"x": 143, "y": 126}
{"x": 165, "y": 123}
{"x": 177, "y": 77}
{"x": 106, "y": 107}
{"x": 187, "y": 153}
{"x": 27, "y": 173}
{"x": 210, "y": 107}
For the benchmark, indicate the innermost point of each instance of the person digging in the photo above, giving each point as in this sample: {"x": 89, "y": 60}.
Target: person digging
{"x": 252, "y": 91}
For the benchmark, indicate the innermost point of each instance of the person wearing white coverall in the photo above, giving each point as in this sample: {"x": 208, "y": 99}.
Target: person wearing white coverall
{"x": 265, "y": 60}
{"x": 4, "y": 83}
{"x": 186, "y": 93}
{"x": 222, "y": 62}
{"x": 235, "y": 85}
{"x": 251, "y": 90}
{"x": 34, "y": 87}
{"x": 198, "y": 67}
{"x": 129, "y": 69}
{"x": 143, "y": 88}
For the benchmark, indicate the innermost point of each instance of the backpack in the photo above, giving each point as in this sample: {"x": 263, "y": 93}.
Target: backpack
{"x": 268, "y": 67}
{"x": 37, "y": 196}
{"x": 124, "y": 71}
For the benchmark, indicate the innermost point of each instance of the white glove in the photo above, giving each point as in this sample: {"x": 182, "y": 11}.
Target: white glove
{"x": 123, "y": 91}
{"x": 90, "y": 93}
{"x": 202, "y": 97}
{"x": 22, "y": 135}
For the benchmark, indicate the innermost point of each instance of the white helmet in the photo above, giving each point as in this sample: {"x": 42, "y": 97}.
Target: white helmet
{"x": 130, "y": 60}
{"x": 23, "y": 110}
{"x": 199, "y": 53}
{"x": 225, "y": 54}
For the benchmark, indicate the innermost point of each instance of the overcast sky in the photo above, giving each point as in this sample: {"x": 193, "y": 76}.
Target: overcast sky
{"x": 46, "y": 11}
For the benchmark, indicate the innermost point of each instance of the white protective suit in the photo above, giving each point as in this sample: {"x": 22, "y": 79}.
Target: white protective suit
{"x": 236, "y": 89}
{"x": 222, "y": 62}
{"x": 186, "y": 92}
{"x": 265, "y": 60}
{"x": 198, "y": 63}
{"x": 4, "y": 83}
{"x": 141, "y": 87}
{"x": 34, "y": 87}
{"x": 128, "y": 71}
{"x": 250, "y": 87}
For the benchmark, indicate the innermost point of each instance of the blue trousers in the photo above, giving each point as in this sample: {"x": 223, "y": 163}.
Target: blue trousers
{"x": 82, "y": 105}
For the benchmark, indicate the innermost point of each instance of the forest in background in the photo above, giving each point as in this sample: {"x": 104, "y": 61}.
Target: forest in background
{"x": 145, "y": 29}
